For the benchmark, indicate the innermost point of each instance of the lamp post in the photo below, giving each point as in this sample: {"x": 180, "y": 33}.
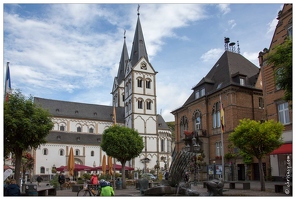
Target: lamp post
{"x": 214, "y": 162}
{"x": 157, "y": 166}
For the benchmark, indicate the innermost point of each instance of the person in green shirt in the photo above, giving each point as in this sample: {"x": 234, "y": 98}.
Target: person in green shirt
{"x": 106, "y": 188}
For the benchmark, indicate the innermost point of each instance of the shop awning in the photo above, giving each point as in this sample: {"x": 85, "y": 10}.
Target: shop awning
{"x": 284, "y": 149}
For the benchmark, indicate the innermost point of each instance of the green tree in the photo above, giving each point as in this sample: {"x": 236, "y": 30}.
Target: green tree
{"x": 257, "y": 139}
{"x": 25, "y": 127}
{"x": 123, "y": 144}
{"x": 281, "y": 58}
{"x": 171, "y": 125}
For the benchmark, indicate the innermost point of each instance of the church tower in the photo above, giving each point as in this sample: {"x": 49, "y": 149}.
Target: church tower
{"x": 134, "y": 89}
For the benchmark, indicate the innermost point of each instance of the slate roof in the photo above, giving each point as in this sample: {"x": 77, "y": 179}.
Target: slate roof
{"x": 226, "y": 71}
{"x": 69, "y": 109}
{"x": 122, "y": 63}
{"x": 161, "y": 123}
{"x": 138, "y": 48}
{"x": 63, "y": 137}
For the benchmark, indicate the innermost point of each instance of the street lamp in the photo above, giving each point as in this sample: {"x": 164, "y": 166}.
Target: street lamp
{"x": 157, "y": 167}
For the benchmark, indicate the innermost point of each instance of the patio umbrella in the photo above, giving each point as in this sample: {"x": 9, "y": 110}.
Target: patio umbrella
{"x": 71, "y": 164}
{"x": 104, "y": 164}
{"x": 110, "y": 165}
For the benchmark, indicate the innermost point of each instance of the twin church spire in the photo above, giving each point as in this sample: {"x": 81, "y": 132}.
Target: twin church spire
{"x": 138, "y": 51}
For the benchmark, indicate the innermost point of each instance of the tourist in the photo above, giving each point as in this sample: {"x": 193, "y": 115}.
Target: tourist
{"x": 186, "y": 177}
{"x": 12, "y": 189}
{"x": 61, "y": 180}
{"x": 39, "y": 179}
{"x": 94, "y": 179}
{"x": 166, "y": 175}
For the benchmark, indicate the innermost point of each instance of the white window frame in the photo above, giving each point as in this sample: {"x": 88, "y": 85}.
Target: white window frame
{"x": 283, "y": 113}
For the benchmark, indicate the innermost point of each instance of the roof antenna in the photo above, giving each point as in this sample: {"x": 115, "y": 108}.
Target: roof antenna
{"x": 226, "y": 41}
{"x": 232, "y": 47}
{"x": 238, "y": 49}
{"x": 138, "y": 9}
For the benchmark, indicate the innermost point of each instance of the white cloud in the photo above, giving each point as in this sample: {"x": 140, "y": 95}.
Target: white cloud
{"x": 224, "y": 8}
{"x": 272, "y": 26}
{"x": 212, "y": 55}
{"x": 232, "y": 23}
{"x": 252, "y": 56}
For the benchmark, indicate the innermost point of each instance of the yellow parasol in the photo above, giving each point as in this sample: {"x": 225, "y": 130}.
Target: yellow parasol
{"x": 104, "y": 164}
{"x": 110, "y": 165}
{"x": 71, "y": 163}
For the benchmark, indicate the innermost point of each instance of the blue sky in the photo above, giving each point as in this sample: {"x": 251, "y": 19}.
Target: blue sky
{"x": 71, "y": 52}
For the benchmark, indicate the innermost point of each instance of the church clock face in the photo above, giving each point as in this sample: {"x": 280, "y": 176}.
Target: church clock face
{"x": 143, "y": 65}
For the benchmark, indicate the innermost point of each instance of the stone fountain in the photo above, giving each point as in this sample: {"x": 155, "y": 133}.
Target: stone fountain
{"x": 175, "y": 185}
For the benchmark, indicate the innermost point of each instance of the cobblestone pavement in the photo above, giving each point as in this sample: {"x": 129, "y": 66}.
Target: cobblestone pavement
{"x": 254, "y": 191}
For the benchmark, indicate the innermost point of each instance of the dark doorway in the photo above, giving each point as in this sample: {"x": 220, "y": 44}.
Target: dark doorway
{"x": 257, "y": 172}
{"x": 241, "y": 172}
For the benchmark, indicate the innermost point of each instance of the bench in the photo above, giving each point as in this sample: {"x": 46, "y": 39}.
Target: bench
{"x": 279, "y": 188}
{"x": 246, "y": 185}
{"x": 47, "y": 192}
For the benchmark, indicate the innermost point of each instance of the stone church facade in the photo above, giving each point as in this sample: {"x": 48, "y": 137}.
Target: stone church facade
{"x": 81, "y": 125}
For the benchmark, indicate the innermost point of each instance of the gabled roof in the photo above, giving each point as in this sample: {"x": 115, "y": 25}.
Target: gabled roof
{"x": 68, "y": 109}
{"x": 138, "y": 48}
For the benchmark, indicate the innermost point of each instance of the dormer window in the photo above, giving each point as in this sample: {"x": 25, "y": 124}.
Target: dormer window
{"x": 219, "y": 86}
{"x": 200, "y": 93}
{"x": 242, "y": 81}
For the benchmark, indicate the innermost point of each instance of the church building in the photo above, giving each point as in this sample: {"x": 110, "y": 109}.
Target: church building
{"x": 80, "y": 125}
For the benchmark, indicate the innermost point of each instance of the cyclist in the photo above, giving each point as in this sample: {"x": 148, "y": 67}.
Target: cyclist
{"x": 106, "y": 188}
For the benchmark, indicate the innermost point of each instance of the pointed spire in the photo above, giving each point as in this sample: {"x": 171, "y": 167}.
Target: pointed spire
{"x": 123, "y": 62}
{"x": 139, "y": 48}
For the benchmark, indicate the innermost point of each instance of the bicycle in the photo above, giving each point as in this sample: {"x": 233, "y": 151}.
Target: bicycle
{"x": 89, "y": 190}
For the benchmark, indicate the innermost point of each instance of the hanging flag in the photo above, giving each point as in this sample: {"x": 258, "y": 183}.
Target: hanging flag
{"x": 7, "y": 91}
{"x": 114, "y": 115}
{"x": 222, "y": 116}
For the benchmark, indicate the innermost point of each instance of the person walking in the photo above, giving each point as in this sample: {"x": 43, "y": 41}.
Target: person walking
{"x": 39, "y": 179}
{"x": 94, "y": 179}
{"x": 61, "y": 180}
{"x": 186, "y": 177}
{"x": 166, "y": 175}
{"x": 12, "y": 189}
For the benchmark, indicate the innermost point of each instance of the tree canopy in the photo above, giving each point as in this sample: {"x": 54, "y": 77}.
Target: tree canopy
{"x": 122, "y": 143}
{"x": 257, "y": 139}
{"x": 25, "y": 127}
{"x": 281, "y": 58}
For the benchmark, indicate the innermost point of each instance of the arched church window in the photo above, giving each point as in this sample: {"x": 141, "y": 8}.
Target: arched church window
{"x": 140, "y": 104}
{"x": 148, "y": 83}
{"x": 139, "y": 80}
